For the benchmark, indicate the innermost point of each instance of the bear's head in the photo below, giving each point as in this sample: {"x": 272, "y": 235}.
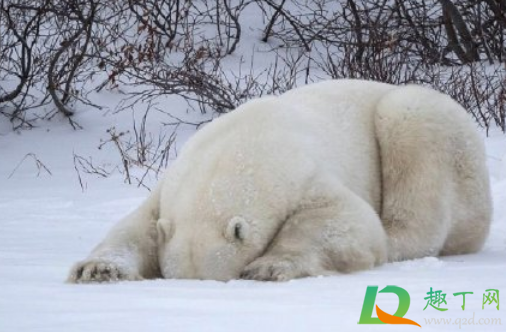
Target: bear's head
{"x": 218, "y": 222}
{"x": 217, "y": 250}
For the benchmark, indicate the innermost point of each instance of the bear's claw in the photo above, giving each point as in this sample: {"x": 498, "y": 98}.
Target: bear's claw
{"x": 99, "y": 271}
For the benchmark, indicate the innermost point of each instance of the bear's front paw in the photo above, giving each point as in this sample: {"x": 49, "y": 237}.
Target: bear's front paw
{"x": 99, "y": 270}
{"x": 275, "y": 269}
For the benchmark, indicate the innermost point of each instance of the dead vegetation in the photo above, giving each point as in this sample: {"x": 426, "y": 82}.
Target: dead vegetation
{"x": 54, "y": 55}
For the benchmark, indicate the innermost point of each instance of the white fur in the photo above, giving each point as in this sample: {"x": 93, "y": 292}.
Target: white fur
{"x": 294, "y": 186}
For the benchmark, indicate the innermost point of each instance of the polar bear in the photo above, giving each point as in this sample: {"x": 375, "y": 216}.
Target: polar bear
{"x": 329, "y": 178}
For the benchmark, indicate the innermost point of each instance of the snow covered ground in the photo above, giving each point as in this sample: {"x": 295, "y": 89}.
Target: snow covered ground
{"x": 47, "y": 223}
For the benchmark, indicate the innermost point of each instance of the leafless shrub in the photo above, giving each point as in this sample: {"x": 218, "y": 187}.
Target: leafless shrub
{"x": 52, "y": 49}
{"x": 20, "y": 61}
{"x": 141, "y": 154}
{"x": 480, "y": 89}
{"x": 41, "y": 167}
{"x": 178, "y": 51}
{"x": 86, "y": 165}
{"x": 434, "y": 31}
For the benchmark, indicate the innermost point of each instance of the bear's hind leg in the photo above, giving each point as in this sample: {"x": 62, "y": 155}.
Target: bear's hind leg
{"x": 414, "y": 132}
{"x": 472, "y": 199}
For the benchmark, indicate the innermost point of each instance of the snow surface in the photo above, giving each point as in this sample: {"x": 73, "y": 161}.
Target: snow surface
{"x": 47, "y": 223}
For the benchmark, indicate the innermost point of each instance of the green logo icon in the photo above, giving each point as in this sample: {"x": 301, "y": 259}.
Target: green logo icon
{"x": 383, "y": 317}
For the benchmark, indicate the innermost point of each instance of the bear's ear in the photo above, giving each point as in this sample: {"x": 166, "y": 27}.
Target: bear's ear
{"x": 237, "y": 230}
{"x": 164, "y": 229}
